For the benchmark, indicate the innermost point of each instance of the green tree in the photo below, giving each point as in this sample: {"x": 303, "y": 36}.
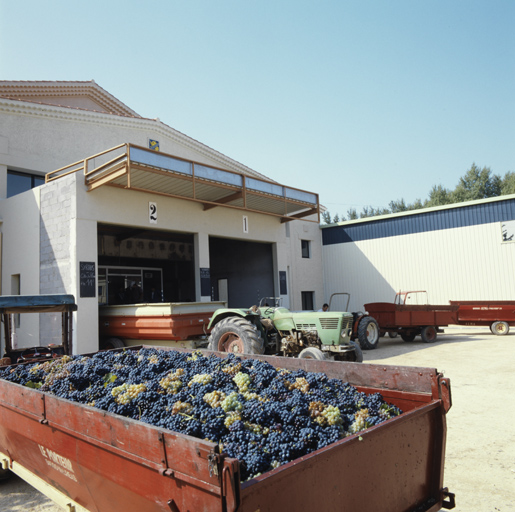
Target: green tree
{"x": 438, "y": 196}
{"x": 508, "y": 184}
{"x": 477, "y": 184}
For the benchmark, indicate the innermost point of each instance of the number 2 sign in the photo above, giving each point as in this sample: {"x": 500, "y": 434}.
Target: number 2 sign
{"x": 152, "y": 213}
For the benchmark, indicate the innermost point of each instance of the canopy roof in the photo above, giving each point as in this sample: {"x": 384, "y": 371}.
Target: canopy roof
{"x": 133, "y": 167}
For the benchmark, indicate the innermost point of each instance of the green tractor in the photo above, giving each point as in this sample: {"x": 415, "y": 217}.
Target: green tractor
{"x": 275, "y": 330}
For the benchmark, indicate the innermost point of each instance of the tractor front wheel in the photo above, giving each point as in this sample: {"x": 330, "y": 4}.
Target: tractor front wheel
{"x": 237, "y": 335}
{"x": 368, "y": 333}
{"x": 313, "y": 353}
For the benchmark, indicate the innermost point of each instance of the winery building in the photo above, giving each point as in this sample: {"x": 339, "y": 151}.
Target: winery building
{"x": 95, "y": 199}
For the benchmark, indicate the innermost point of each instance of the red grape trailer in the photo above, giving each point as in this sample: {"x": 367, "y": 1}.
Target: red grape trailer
{"x": 87, "y": 459}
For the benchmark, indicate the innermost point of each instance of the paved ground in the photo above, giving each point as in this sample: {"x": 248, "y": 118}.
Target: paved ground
{"x": 480, "y": 456}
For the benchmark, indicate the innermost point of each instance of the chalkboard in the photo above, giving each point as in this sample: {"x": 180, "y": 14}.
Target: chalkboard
{"x": 283, "y": 290}
{"x": 205, "y": 282}
{"x": 87, "y": 277}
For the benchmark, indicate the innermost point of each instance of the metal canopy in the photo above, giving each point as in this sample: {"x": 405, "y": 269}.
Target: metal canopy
{"x": 137, "y": 168}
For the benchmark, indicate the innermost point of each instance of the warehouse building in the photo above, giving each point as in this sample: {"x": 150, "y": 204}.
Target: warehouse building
{"x": 462, "y": 251}
{"x": 96, "y": 199}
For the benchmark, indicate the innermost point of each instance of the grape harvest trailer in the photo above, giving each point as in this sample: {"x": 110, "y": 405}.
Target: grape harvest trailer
{"x": 87, "y": 459}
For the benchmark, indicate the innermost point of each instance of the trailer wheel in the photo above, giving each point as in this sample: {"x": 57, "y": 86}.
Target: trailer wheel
{"x": 313, "y": 353}
{"x": 368, "y": 333}
{"x": 393, "y": 334}
{"x": 408, "y": 335}
{"x": 111, "y": 343}
{"x": 428, "y": 334}
{"x": 237, "y": 335}
{"x": 500, "y": 328}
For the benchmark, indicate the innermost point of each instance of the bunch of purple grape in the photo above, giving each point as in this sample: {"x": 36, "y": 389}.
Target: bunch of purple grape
{"x": 262, "y": 415}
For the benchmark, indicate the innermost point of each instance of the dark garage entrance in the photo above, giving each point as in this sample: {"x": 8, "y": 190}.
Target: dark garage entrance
{"x": 241, "y": 271}
{"x": 150, "y": 258}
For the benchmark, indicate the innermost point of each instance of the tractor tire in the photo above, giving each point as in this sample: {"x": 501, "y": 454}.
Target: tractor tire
{"x": 358, "y": 353}
{"x": 313, "y": 353}
{"x": 408, "y": 335}
{"x": 428, "y": 334}
{"x": 112, "y": 343}
{"x": 500, "y": 328}
{"x": 368, "y": 333}
{"x": 237, "y": 335}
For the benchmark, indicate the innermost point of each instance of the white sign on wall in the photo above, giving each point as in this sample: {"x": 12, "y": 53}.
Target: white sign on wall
{"x": 508, "y": 231}
{"x": 245, "y": 224}
{"x": 152, "y": 213}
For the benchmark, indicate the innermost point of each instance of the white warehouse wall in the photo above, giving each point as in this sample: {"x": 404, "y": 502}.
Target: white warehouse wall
{"x": 466, "y": 263}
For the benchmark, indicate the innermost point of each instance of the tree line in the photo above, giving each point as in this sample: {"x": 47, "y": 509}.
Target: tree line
{"x": 475, "y": 184}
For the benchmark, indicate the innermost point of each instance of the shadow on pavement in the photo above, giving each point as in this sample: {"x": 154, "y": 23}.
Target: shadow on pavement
{"x": 391, "y": 347}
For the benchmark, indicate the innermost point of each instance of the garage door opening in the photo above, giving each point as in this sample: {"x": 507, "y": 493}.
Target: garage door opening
{"x": 158, "y": 263}
{"x": 241, "y": 272}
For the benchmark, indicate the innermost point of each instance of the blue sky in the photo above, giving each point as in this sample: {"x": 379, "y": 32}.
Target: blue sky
{"x": 361, "y": 101}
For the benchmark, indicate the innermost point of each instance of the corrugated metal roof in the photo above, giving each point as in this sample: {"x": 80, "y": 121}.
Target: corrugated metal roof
{"x": 486, "y": 211}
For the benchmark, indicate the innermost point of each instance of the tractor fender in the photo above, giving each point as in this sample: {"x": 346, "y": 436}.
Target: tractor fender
{"x": 220, "y": 314}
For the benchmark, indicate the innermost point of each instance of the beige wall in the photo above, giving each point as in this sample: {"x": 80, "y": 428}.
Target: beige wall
{"x": 20, "y": 256}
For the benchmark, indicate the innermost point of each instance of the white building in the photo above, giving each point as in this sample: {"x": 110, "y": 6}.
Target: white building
{"x": 463, "y": 251}
{"x": 159, "y": 208}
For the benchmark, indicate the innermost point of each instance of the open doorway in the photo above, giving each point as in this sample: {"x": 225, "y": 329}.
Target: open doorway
{"x": 241, "y": 272}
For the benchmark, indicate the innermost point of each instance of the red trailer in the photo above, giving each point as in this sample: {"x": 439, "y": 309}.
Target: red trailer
{"x": 410, "y": 320}
{"x": 87, "y": 459}
{"x": 497, "y": 314}
{"x": 172, "y": 324}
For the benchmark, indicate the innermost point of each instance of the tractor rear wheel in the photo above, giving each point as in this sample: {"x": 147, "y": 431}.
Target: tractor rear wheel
{"x": 237, "y": 335}
{"x": 428, "y": 334}
{"x": 368, "y": 333}
{"x": 500, "y": 328}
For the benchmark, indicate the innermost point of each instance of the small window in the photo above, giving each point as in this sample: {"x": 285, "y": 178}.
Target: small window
{"x": 18, "y": 182}
{"x": 307, "y": 301}
{"x": 306, "y": 248}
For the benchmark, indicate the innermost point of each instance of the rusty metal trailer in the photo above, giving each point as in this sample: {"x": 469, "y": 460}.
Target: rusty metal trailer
{"x": 411, "y": 320}
{"x": 172, "y": 324}
{"x": 499, "y": 315}
{"x": 87, "y": 459}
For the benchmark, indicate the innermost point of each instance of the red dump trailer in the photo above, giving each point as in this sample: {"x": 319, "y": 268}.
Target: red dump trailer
{"x": 87, "y": 459}
{"x": 499, "y": 315}
{"x": 411, "y": 320}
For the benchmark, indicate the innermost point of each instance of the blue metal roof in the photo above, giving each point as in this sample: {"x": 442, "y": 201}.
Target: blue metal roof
{"x": 434, "y": 220}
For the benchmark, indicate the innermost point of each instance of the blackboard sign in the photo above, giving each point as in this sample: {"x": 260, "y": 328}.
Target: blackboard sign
{"x": 282, "y": 283}
{"x": 87, "y": 277}
{"x": 205, "y": 282}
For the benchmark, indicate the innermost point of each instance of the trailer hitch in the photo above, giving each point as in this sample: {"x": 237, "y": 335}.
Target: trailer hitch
{"x": 452, "y": 501}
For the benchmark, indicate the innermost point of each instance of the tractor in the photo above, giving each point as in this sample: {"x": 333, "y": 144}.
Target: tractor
{"x": 272, "y": 329}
